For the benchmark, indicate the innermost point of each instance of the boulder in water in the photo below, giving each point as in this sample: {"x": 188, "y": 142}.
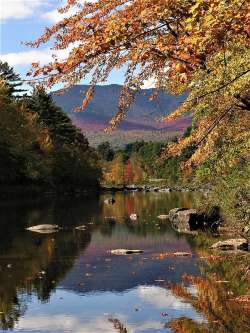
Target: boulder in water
{"x": 44, "y": 228}
{"x": 80, "y": 227}
{"x": 231, "y": 244}
{"x": 163, "y": 217}
{"x": 123, "y": 252}
{"x": 109, "y": 201}
{"x": 185, "y": 220}
{"x": 134, "y": 217}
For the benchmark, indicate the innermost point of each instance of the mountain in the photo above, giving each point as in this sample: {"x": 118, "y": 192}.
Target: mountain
{"x": 142, "y": 117}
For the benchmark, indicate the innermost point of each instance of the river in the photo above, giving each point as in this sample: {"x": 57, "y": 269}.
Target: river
{"x": 69, "y": 281}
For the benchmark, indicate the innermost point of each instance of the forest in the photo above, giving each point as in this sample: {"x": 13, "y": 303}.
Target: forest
{"x": 39, "y": 145}
{"x": 195, "y": 48}
{"x": 123, "y": 232}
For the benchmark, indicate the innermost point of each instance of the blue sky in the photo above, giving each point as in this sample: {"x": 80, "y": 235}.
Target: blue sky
{"x": 24, "y": 20}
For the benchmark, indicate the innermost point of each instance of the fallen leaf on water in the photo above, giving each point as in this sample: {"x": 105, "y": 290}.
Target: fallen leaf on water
{"x": 162, "y": 256}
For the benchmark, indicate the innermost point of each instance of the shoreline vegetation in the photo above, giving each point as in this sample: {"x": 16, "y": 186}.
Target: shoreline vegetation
{"x": 40, "y": 148}
{"x": 195, "y": 48}
{"x": 43, "y": 153}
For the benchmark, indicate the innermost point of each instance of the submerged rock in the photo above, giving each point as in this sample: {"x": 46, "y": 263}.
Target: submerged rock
{"x": 163, "y": 217}
{"x": 44, "y": 228}
{"x": 133, "y": 217}
{"x": 122, "y": 252}
{"x": 231, "y": 244}
{"x": 109, "y": 201}
{"x": 81, "y": 227}
{"x": 167, "y": 189}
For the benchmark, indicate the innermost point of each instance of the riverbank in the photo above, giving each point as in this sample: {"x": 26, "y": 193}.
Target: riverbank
{"x": 152, "y": 188}
{"x": 8, "y": 192}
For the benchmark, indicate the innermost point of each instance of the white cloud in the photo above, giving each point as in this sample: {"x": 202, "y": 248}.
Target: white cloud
{"x": 41, "y": 56}
{"x": 65, "y": 323}
{"x": 70, "y": 323}
{"x": 26, "y": 58}
{"x": 161, "y": 298}
{"x": 150, "y": 83}
{"x": 54, "y": 16}
{"x": 18, "y": 9}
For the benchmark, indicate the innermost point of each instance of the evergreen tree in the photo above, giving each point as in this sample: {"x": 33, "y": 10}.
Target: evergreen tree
{"x": 75, "y": 163}
{"x": 50, "y": 115}
{"x": 13, "y": 80}
{"x": 105, "y": 150}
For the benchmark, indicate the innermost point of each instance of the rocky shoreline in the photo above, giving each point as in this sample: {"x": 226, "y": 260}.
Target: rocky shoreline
{"x": 150, "y": 188}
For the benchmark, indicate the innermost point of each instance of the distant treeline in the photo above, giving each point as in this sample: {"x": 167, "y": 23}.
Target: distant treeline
{"x": 39, "y": 145}
{"x": 139, "y": 162}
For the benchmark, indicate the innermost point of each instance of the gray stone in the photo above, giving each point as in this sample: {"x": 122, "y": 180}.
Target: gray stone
{"x": 231, "y": 244}
{"x": 122, "y": 252}
{"x": 109, "y": 201}
{"x": 246, "y": 231}
{"x": 163, "y": 217}
{"x": 185, "y": 220}
{"x": 81, "y": 227}
{"x": 44, "y": 228}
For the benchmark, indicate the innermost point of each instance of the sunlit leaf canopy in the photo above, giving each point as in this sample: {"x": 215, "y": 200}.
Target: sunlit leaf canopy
{"x": 200, "y": 46}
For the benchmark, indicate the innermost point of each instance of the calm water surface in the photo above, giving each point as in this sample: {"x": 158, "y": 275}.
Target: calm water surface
{"x": 69, "y": 282}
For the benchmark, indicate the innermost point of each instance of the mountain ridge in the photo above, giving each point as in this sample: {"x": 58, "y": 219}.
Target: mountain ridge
{"x": 142, "y": 116}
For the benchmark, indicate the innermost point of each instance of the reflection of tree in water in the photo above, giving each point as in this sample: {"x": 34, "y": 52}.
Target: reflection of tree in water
{"x": 39, "y": 262}
{"x": 33, "y": 263}
{"x": 11, "y": 308}
{"x": 223, "y": 297}
{"x": 46, "y": 262}
{"x": 147, "y": 206}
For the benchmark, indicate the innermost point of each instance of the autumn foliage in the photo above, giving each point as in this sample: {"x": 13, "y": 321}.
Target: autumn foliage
{"x": 200, "y": 47}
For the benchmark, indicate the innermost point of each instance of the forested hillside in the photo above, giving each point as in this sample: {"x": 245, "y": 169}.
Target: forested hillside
{"x": 143, "y": 114}
{"x": 196, "y": 48}
{"x": 39, "y": 145}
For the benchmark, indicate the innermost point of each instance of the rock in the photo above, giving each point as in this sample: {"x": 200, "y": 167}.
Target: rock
{"x": 81, "y": 227}
{"x": 246, "y": 231}
{"x": 44, "y": 228}
{"x": 182, "y": 254}
{"x": 163, "y": 217}
{"x": 231, "y": 244}
{"x": 122, "y": 252}
{"x": 167, "y": 190}
{"x": 133, "y": 217}
{"x": 185, "y": 220}
{"x": 109, "y": 201}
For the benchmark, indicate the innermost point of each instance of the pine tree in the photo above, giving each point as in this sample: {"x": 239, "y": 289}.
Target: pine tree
{"x": 59, "y": 124}
{"x": 13, "y": 80}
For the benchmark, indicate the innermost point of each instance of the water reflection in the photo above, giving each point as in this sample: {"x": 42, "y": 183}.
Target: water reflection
{"x": 69, "y": 282}
{"x": 222, "y": 296}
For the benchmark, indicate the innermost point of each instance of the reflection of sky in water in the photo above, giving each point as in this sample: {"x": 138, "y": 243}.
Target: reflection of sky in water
{"x": 84, "y": 285}
{"x": 67, "y": 312}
